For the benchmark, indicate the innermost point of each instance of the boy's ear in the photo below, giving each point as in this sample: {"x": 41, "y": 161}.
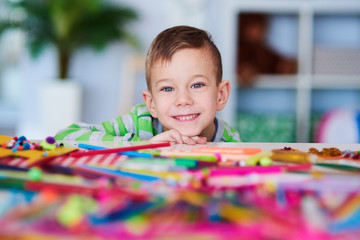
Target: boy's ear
{"x": 223, "y": 94}
{"x": 148, "y": 99}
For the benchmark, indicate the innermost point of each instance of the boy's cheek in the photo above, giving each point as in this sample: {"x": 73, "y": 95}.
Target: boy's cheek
{"x": 153, "y": 112}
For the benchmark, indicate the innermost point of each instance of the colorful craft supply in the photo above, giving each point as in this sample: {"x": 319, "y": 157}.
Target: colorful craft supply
{"x": 187, "y": 155}
{"x": 174, "y": 193}
{"x": 229, "y": 153}
{"x": 172, "y": 162}
{"x": 137, "y": 154}
{"x": 118, "y": 150}
{"x": 293, "y": 156}
{"x": 227, "y": 150}
{"x": 126, "y": 153}
{"x": 226, "y": 171}
{"x": 265, "y": 161}
{"x": 35, "y": 174}
{"x": 90, "y": 147}
{"x": 255, "y": 159}
{"x": 74, "y": 211}
{"x": 47, "y": 146}
{"x": 35, "y": 155}
{"x": 105, "y": 172}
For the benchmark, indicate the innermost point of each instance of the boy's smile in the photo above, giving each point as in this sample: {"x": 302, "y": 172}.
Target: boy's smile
{"x": 184, "y": 95}
{"x": 188, "y": 117}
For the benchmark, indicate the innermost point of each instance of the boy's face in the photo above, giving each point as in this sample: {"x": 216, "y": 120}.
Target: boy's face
{"x": 184, "y": 95}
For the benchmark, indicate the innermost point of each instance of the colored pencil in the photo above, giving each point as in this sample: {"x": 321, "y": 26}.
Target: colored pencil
{"x": 228, "y": 150}
{"x": 161, "y": 161}
{"x": 121, "y": 149}
{"x": 201, "y": 158}
{"x": 127, "y": 153}
{"x": 136, "y": 154}
{"x": 245, "y": 170}
{"x": 259, "y": 169}
{"x": 90, "y": 147}
{"x": 115, "y": 173}
{"x": 189, "y": 155}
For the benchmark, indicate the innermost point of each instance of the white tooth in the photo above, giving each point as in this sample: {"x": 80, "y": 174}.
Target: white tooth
{"x": 186, "y": 117}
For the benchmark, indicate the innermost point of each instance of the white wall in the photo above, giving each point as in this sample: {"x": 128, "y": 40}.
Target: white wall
{"x": 100, "y": 73}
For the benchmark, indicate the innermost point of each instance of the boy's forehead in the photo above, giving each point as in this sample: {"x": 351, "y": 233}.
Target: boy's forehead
{"x": 165, "y": 60}
{"x": 163, "y": 69}
{"x": 161, "y": 63}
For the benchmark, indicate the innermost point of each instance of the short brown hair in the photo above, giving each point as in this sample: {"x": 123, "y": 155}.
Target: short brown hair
{"x": 173, "y": 39}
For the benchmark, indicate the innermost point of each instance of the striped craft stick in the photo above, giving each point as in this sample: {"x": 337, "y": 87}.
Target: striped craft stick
{"x": 67, "y": 161}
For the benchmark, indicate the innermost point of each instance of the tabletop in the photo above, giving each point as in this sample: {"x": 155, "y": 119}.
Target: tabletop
{"x": 96, "y": 195}
{"x": 263, "y": 145}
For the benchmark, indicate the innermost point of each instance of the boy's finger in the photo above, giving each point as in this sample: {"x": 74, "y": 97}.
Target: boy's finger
{"x": 188, "y": 140}
{"x": 200, "y": 140}
{"x": 175, "y": 135}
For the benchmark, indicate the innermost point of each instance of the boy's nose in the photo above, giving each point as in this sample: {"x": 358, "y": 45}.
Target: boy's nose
{"x": 184, "y": 98}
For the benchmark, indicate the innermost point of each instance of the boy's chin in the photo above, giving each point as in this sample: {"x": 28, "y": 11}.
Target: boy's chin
{"x": 188, "y": 133}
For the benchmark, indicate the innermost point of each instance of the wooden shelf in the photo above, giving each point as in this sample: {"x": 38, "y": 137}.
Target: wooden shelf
{"x": 276, "y": 82}
{"x": 335, "y": 82}
{"x": 305, "y": 81}
{"x": 317, "y": 82}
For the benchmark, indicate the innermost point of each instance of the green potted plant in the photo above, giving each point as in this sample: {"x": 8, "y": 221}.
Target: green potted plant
{"x": 67, "y": 26}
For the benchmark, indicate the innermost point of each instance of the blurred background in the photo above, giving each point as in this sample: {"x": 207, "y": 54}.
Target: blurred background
{"x": 294, "y": 65}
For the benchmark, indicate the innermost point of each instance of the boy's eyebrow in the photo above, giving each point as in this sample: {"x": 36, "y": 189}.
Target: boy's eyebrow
{"x": 162, "y": 80}
{"x": 157, "y": 82}
{"x": 200, "y": 75}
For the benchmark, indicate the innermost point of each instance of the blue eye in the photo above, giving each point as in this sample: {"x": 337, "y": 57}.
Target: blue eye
{"x": 167, "y": 89}
{"x": 197, "y": 85}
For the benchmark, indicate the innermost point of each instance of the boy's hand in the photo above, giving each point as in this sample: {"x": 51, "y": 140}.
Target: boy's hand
{"x": 174, "y": 136}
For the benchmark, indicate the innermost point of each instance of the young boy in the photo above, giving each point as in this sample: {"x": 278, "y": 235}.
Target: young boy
{"x": 185, "y": 90}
